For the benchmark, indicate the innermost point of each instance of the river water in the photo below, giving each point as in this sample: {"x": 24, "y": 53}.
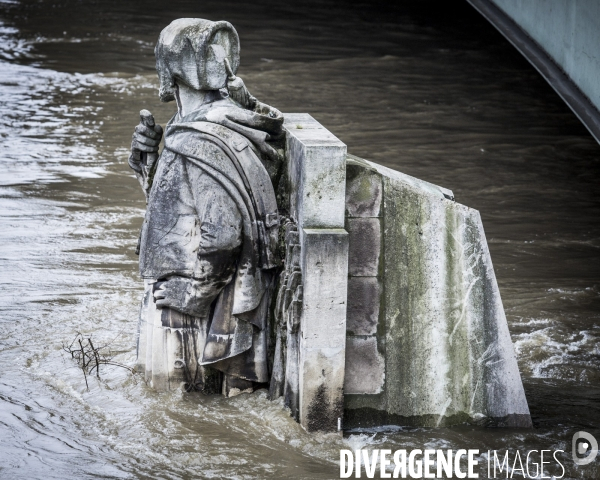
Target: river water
{"x": 431, "y": 91}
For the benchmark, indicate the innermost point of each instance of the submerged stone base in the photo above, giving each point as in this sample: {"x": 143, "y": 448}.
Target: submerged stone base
{"x": 169, "y": 349}
{"x": 367, "y": 418}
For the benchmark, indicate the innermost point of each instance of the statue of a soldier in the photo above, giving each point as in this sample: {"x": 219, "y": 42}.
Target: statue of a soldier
{"x": 208, "y": 242}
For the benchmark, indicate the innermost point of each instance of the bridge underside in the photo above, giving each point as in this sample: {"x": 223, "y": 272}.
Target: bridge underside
{"x": 562, "y": 41}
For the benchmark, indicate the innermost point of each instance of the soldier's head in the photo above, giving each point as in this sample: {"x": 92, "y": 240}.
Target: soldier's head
{"x": 193, "y": 51}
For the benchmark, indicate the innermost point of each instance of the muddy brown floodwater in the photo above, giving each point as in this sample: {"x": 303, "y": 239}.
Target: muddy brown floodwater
{"x": 431, "y": 90}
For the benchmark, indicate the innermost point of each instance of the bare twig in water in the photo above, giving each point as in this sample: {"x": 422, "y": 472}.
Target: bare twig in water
{"x": 89, "y": 358}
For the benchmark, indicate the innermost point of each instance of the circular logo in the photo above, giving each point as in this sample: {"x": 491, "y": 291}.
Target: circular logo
{"x": 585, "y": 448}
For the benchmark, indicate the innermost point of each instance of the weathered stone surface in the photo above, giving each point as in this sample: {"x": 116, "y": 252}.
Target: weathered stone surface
{"x": 365, "y": 366}
{"x": 317, "y": 172}
{"x": 287, "y": 316}
{"x": 324, "y": 275}
{"x": 364, "y": 297}
{"x": 363, "y": 191}
{"x": 168, "y": 346}
{"x": 422, "y": 185}
{"x": 323, "y": 326}
{"x": 365, "y": 246}
{"x": 193, "y": 50}
{"x": 317, "y": 178}
{"x": 322, "y": 388}
{"x": 448, "y": 353}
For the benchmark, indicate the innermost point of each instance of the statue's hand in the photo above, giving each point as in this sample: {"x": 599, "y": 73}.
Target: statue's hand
{"x": 185, "y": 295}
{"x": 237, "y": 89}
{"x": 146, "y": 139}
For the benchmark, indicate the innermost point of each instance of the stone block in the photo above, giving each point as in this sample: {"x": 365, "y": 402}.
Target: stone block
{"x": 449, "y": 355}
{"x": 317, "y": 177}
{"x": 317, "y": 171}
{"x": 363, "y": 191}
{"x": 325, "y": 287}
{"x": 445, "y": 354}
{"x": 365, "y": 246}
{"x": 321, "y": 388}
{"x": 324, "y": 262}
{"x": 364, "y": 297}
{"x": 365, "y": 366}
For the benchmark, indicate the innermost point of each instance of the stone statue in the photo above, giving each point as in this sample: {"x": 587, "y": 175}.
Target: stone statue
{"x": 387, "y": 309}
{"x": 208, "y": 245}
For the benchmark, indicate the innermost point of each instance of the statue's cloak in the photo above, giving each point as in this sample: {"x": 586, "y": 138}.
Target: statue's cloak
{"x": 230, "y": 144}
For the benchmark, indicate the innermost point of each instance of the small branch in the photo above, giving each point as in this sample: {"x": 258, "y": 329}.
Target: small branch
{"x": 89, "y": 357}
{"x": 83, "y": 364}
{"x": 95, "y": 357}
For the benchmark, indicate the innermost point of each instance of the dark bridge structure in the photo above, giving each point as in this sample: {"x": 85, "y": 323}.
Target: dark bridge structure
{"x": 561, "y": 39}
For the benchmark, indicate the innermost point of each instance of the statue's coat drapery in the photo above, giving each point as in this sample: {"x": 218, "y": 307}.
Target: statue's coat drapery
{"x": 212, "y": 217}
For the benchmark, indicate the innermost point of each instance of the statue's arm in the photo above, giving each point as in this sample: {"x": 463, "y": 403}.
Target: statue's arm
{"x": 220, "y": 243}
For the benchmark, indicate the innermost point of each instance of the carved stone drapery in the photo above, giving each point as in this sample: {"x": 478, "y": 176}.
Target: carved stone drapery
{"x": 288, "y": 310}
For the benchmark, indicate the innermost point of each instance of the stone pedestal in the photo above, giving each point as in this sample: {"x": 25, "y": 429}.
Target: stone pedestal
{"x": 317, "y": 169}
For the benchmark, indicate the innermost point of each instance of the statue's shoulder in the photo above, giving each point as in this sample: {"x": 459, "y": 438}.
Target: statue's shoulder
{"x": 221, "y": 137}
{"x": 211, "y": 124}
{"x": 187, "y": 134}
